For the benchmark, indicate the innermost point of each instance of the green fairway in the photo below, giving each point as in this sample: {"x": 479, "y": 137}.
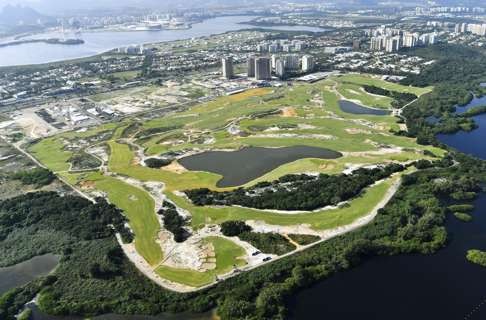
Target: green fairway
{"x": 228, "y": 254}
{"x": 355, "y": 92}
{"x": 374, "y": 81}
{"x": 139, "y": 208}
{"x": 50, "y": 152}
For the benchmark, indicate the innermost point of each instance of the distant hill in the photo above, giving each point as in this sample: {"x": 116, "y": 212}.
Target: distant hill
{"x": 13, "y": 16}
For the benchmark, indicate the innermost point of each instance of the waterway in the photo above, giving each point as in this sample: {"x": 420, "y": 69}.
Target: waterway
{"x": 26, "y": 271}
{"x": 354, "y": 108}
{"x": 472, "y": 143}
{"x": 102, "y": 41}
{"x": 247, "y": 164}
{"x": 440, "y": 286}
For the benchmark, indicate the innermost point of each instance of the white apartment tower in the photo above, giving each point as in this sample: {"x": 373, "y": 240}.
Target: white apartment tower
{"x": 308, "y": 63}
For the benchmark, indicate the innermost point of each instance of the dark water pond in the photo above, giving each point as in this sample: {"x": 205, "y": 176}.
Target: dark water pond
{"x": 354, "y": 108}
{"x": 421, "y": 287}
{"x": 26, "y": 271}
{"x": 247, "y": 164}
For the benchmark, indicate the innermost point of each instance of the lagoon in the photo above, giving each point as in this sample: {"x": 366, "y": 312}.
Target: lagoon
{"x": 102, "y": 41}
{"x": 24, "y": 272}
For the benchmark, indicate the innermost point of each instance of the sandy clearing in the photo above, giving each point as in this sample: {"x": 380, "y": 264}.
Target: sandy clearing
{"x": 357, "y": 131}
{"x": 175, "y": 167}
{"x": 289, "y": 112}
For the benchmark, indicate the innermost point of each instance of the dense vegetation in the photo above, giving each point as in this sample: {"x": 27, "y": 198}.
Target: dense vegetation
{"x": 174, "y": 222}
{"x": 83, "y": 161}
{"x": 464, "y": 217}
{"x": 461, "y": 207}
{"x": 37, "y": 177}
{"x": 234, "y": 228}
{"x": 297, "y": 192}
{"x": 477, "y": 257}
{"x": 474, "y": 111}
{"x": 456, "y": 76}
{"x": 271, "y": 243}
{"x": 157, "y": 163}
{"x": 38, "y": 223}
{"x": 399, "y": 98}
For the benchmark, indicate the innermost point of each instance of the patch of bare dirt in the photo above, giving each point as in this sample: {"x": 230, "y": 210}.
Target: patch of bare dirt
{"x": 175, "y": 167}
{"x": 289, "y": 112}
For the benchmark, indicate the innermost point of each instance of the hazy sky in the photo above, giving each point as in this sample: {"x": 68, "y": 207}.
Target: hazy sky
{"x": 60, "y": 5}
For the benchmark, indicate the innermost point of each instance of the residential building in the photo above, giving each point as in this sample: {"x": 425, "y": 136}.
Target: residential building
{"x": 308, "y": 63}
{"x": 227, "y": 64}
{"x": 251, "y": 67}
{"x": 263, "y": 68}
{"x": 280, "y": 68}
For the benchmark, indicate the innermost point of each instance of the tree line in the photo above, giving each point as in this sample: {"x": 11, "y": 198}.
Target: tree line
{"x": 297, "y": 192}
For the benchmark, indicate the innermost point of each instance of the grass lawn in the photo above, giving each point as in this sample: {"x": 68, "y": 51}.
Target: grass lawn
{"x": 50, "y": 152}
{"x": 355, "y": 92}
{"x": 139, "y": 208}
{"x": 227, "y": 255}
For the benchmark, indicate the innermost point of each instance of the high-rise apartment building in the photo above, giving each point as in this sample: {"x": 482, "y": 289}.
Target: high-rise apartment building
{"x": 263, "y": 68}
{"x": 251, "y": 67}
{"x": 308, "y": 63}
{"x": 227, "y": 65}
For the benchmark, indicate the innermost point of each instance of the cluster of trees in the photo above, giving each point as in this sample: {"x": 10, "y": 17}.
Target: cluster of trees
{"x": 38, "y": 177}
{"x": 42, "y": 222}
{"x": 83, "y": 160}
{"x": 297, "y": 192}
{"x": 474, "y": 111}
{"x": 400, "y": 98}
{"x": 271, "y": 243}
{"x": 463, "y": 216}
{"x": 157, "y": 163}
{"x": 234, "y": 228}
{"x": 174, "y": 222}
{"x": 456, "y": 76}
{"x": 477, "y": 257}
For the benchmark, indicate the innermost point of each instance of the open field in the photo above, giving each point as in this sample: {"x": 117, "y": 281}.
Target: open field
{"x": 299, "y": 115}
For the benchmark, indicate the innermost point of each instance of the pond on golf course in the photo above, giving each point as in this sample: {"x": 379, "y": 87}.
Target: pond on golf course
{"x": 354, "y": 108}
{"x": 242, "y": 166}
